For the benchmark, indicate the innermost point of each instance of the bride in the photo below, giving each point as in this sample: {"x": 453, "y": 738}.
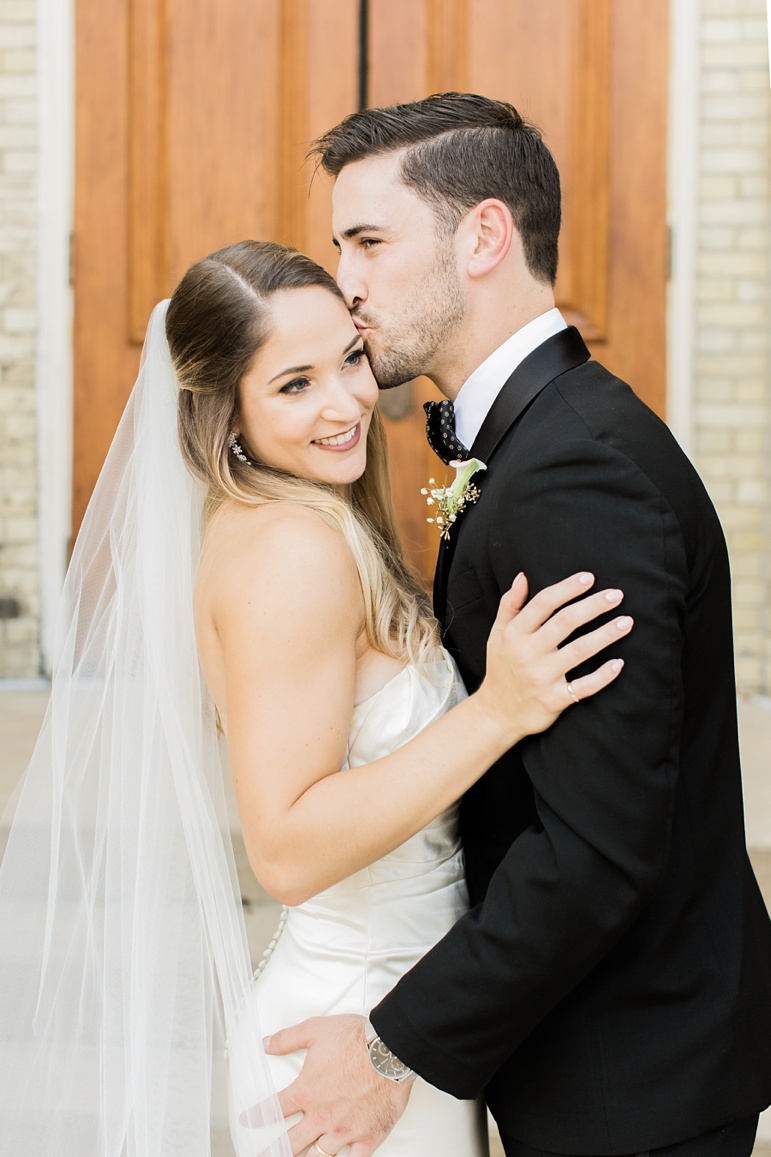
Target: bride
{"x": 350, "y": 739}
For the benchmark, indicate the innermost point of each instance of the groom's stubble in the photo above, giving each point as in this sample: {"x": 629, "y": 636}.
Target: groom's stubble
{"x": 404, "y": 343}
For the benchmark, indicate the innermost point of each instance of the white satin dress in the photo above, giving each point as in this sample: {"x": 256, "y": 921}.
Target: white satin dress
{"x": 342, "y": 951}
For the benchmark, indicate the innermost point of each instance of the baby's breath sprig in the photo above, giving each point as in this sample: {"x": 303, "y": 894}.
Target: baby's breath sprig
{"x": 451, "y": 500}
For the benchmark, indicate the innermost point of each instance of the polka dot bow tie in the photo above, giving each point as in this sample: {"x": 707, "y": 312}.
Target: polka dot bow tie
{"x": 440, "y": 431}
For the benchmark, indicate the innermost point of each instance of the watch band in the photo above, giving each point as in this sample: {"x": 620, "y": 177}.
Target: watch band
{"x": 384, "y": 1061}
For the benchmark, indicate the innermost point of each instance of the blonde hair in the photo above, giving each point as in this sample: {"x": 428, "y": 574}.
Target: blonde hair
{"x": 217, "y": 319}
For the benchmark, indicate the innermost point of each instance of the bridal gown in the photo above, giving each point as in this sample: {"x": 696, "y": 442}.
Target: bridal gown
{"x": 342, "y": 951}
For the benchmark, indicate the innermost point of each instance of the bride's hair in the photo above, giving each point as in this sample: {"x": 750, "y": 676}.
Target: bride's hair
{"x": 217, "y": 320}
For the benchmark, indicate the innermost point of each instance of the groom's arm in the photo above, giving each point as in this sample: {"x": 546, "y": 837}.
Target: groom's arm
{"x": 604, "y": 778}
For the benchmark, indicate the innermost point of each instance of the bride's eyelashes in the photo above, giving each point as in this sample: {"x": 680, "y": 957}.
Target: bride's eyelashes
{"x": 296, "y": 386}
{"x": 356, "y": 357}
{"x": 352, "y": 361}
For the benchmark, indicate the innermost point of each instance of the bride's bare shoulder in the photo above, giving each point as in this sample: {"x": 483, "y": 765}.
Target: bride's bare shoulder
{"x": 278, "y": 548}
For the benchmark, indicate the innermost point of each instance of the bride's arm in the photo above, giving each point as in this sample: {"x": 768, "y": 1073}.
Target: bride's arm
{"x": 288, "y": 610}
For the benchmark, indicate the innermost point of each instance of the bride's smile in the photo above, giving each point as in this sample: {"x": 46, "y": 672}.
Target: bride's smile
{"x": 306, "y": 402}
{"x": 341, "y": 441}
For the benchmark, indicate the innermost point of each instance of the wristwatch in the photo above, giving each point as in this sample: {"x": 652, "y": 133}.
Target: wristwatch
{"x": 384, "y": 1061}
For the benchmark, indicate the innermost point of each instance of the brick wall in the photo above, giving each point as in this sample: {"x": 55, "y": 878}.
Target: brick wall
{"x": 19, "y": 579}
{"x": 732, "y": 402}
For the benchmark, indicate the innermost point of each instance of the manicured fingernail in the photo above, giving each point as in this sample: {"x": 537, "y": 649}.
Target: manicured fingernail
{"x": 586, "y": 579}
{"x": 266, "y": 1041}
{"x": 614, "y": 596}
{"x": 624, "y": 622}
{"x": 516, "y": 580}
{"x": 616, "y": 665}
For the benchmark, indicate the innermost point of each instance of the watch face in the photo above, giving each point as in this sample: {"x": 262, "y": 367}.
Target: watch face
{"x": 386, "y": 1063}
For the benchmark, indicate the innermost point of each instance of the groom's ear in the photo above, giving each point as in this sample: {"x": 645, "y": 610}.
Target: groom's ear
{"x": 488, "y": 233}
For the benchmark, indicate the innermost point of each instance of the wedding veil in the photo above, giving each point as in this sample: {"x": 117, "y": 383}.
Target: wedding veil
{"x": 122, "y": 941}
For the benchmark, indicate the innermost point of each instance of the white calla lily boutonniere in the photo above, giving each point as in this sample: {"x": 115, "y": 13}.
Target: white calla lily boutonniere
{"x": 451, "y": 500}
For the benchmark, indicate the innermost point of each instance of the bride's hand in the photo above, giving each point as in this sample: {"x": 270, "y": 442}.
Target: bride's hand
{"x": 525, "y": 686}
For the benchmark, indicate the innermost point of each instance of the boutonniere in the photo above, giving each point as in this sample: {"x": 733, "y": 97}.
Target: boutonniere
{"x": 451, "y": 500}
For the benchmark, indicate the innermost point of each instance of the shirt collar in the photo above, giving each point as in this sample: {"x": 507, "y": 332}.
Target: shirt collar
{"x": 482, "y": 387}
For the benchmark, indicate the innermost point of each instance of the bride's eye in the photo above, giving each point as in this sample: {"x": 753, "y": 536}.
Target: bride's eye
{"x": 356, "y": 357}
{"x": 296, "y": 386}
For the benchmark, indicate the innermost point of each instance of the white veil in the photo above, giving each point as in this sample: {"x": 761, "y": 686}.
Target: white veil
{"x": 122, "y": 942}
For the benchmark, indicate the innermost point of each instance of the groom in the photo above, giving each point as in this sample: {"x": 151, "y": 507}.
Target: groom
{"x": 610, "y": 989}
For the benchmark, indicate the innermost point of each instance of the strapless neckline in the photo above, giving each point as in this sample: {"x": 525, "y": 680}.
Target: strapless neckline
{"x": 374, "y": 695}
{"x": 438, "y": 672}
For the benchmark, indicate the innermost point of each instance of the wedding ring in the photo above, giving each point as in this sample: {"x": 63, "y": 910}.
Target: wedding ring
{"x": 572, "y": 693}
{"x": 322, "y": 1152}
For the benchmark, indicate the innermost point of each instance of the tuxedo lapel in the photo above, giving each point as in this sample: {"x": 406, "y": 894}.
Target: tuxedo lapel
{"x": 558, "y": 354}
{"x": 444, "y": 558}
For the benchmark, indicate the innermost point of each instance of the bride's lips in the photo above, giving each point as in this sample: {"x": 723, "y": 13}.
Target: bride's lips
{"x": 354, "y": 441}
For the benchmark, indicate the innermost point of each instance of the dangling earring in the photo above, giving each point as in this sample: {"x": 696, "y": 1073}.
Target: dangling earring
{"x": 236, "y": 449}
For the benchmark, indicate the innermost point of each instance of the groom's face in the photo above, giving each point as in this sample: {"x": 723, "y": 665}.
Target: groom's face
{"x": 398, "y": 270}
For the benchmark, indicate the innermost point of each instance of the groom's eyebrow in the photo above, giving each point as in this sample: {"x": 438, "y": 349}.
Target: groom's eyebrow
{"x": 304, "y": 369}
{"x": 355, "y": 230}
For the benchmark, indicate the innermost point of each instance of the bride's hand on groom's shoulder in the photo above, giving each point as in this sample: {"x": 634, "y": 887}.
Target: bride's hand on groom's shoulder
{"x": 344, "y": 1101}
{"x": 528, "y": 658}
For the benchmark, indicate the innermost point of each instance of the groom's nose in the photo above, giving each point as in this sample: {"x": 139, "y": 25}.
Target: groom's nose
{"x": 351, "y": 286}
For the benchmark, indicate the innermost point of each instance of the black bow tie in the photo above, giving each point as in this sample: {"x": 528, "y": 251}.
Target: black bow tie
{"x": 440, "y": 431}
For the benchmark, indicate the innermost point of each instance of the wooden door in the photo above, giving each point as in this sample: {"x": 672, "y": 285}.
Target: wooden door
{"x": 191, "y": 123}
{"x": 193, "y": 119}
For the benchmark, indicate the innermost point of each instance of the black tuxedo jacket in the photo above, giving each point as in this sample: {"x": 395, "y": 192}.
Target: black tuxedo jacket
{"x": 610, "y": 989}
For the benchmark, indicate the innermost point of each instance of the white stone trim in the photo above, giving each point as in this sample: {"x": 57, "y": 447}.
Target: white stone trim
{"x": 56, "y": 180}
{"x": 682, "y": 193}
{"x": 764, "y": 1131}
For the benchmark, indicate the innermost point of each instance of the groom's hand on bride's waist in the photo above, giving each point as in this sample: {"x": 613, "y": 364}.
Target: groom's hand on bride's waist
{"x": 343, "y": 1099}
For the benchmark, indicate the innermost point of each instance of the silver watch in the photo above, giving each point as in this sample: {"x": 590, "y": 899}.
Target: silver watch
{"x": 384, "y": 1061}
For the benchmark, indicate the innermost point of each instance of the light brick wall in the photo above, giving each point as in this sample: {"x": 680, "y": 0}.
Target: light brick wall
{"x": 19, "y": 562}
{"x": 732, "y": 403}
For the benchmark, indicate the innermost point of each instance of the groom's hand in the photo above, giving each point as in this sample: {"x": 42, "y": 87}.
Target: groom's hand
{"x": 344, "y": 1101}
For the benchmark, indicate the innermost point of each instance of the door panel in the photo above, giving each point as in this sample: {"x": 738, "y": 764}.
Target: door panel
{"x": 193, "y": 120}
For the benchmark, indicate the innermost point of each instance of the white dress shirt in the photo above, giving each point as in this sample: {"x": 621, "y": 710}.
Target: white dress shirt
{"x": 482, "y": 387}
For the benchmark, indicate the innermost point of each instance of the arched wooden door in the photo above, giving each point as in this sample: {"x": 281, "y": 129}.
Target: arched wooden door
{"x": 193, "y": 119}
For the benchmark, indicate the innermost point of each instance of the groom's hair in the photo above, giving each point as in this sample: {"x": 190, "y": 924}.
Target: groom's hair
{"x": 460, "y": 149}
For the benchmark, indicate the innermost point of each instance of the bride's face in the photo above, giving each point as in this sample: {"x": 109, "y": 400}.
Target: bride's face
{"x": 306, "y": 402}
